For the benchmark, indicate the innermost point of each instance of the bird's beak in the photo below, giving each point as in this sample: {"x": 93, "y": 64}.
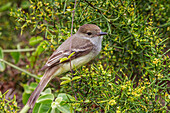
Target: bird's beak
{"x": 102, "y": 33}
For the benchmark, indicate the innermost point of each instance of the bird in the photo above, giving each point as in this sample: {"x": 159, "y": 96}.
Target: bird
{"x": 86, "y": 44}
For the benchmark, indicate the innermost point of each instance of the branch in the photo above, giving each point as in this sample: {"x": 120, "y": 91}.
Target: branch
{"x": 18, "y": 50}
{"x": 25, "y": 109}
{"x": 20, "y": 69}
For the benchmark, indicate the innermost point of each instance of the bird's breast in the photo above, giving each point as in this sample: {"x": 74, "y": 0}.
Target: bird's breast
{"x": 75, "y": 63}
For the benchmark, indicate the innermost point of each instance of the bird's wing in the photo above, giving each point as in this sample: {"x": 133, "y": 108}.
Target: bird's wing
{"x": 80, "y": 47}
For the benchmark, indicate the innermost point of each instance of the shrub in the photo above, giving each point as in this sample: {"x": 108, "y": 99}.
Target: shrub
{"x": 130, "y": 75}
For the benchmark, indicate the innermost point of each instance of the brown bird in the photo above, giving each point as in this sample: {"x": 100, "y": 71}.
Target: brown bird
{"x": 86, "y": 44}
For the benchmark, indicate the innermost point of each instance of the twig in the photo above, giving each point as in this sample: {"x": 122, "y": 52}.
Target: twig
{"x": 25, "y": 109}
{"x": 18, "y": 50}
{"x": 20, "y": 69}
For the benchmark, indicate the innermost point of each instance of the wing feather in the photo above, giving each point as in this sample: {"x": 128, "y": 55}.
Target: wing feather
{"x": 81, "y": 47}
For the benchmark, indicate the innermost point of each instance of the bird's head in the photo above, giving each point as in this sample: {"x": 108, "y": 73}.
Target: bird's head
{"x": 90, "y": 31}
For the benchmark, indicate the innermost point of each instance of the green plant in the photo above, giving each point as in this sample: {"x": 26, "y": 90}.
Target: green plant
{"x": 8, "y": 106}
{"x": 131, "y": 73}
{"x": 62, "y": 103}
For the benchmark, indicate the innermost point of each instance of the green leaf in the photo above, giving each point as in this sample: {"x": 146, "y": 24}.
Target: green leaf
{"x": 76, "y": 77}
{"x": 65, "y": 82}
{"x": 32, "y": 86}
{"x": 66, "y": 97}
{"x": 15, "y": 56}
{"x": 35, "y": 40}
{"x": 27, "y": 89}
{"x": 47, "y": 91}
{"x": 25, "y": 97}
{"x": 65, "y": 78}
{"x": 36, "y": 108}
{"x": 71, "y": 55}
{"x": 42, "y": 108}
{"x": 48, "y": 98}
{"x": 62, "y": 103}
{"x": 38, "y": 51}
{"x": 40, "y": 48}
{"x": 54, "y": 109}
{"x": 2, "y": 65}
{"x": 64, "y": 108}
{"x": 63, "y": 59}
{"x": 58, "y": 100}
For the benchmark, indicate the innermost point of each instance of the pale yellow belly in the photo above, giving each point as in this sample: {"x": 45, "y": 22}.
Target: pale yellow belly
{"x": 76, "y": 63}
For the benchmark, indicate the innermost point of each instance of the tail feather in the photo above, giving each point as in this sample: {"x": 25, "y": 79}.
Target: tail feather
{"x": 34, "y": 96}
{"x": 44, "y": 81}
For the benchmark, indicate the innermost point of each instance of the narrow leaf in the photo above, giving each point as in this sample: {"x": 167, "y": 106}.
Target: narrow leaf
{"x": 65, "y": 78}
{"x": 76, "y": 77}
{"x": 65, "y": 82}
{"x": 63, "y": 59}
{"x": 71, "y": 55}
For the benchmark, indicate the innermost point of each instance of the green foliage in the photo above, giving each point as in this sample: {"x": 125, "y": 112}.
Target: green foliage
{"x": 132, "y": 71}
{"x": 5, "y": 7}
{"x": 46, "y": 103}
{"x": 8, "y": 106}
{"x": 40, "y": 48}
{"x": 105, "y": 92}
{"x": 35, "y": 40}
{"x": 27, "y": 92}
{"x": 63, "y": 103}
{"x": 16, "y": 55}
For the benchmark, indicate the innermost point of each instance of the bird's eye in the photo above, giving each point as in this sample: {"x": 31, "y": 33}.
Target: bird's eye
{"x": 89, "y": 33}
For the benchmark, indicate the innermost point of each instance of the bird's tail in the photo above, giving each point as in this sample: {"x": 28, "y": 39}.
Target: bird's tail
{"x": 43, "y": 82}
